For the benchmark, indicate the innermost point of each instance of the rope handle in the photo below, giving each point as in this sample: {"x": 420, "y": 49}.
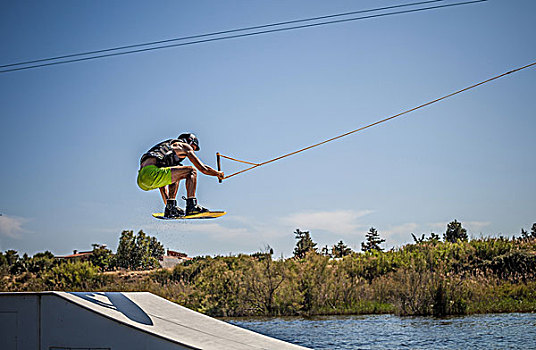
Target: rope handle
{"x": 219, "y": 165}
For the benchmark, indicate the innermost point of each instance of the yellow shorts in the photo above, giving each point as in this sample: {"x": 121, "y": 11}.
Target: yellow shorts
{"x": 151, "y": 177}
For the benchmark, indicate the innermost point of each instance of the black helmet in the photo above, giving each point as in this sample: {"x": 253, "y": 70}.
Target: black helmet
{"x": 190, "y": 139}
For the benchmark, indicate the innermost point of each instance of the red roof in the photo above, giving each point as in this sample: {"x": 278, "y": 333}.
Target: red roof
{"x": 77, "y": 255}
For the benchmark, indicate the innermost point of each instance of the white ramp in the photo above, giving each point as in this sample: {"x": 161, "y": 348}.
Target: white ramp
{"x": 101, "y": 320}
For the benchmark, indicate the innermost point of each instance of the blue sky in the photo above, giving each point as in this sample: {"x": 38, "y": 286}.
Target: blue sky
{"x": 72, "y": 134}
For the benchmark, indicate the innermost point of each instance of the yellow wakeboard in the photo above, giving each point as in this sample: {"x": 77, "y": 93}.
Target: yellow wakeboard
{"x": 205, "y": 215}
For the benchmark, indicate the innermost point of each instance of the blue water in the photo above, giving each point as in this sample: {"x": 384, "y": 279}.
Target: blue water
{"x": 493, "y": 331}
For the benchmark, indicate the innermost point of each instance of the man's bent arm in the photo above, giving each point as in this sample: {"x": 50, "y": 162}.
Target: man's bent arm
{"x": 205, "y": 169}
{"x": 185, "y": 149}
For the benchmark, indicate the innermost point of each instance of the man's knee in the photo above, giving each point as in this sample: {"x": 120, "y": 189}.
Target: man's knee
{"x": 189, "y": 171}
{"x": 192, "y": 171}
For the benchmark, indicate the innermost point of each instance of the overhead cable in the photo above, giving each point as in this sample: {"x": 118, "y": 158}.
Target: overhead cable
{"x": 225, "y": 37}
{"x": 197, "y": 36}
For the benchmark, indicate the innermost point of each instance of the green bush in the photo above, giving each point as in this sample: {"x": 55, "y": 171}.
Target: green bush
{"x": 77, "y": 275}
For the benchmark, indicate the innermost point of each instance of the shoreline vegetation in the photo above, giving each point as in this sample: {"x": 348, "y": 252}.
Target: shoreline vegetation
{"x": 430, "y": 277}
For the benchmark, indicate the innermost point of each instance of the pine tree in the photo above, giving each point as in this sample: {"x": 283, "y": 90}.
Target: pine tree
{"x": 373, "y": 241}
{"x": 340, "y": 250}
{"x": 455, "y": 232}
{"x": 304, "y": 245}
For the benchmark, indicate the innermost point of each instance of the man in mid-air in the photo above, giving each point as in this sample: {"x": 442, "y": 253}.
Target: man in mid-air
{"x": 161, "y": 167}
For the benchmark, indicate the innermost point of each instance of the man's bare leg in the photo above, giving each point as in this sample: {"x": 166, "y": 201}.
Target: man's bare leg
{"x": 190, "y": 175}
{"x": 169, "y": 192}
{"x": 172, "y": 190}
{"x": 164, "y": 193}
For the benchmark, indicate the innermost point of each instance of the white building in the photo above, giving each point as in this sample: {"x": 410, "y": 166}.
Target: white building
{"x": 173, "y": 258}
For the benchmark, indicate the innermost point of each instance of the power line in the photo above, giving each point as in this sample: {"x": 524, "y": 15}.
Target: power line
{"x": 256, "y": 165}
{"x": 213, "y": 34}
{"x": 229, "y": 36}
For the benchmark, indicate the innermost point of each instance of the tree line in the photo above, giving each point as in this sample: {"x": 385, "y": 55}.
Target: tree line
{"x": 432, "y": 276}
{"x": 455, "y": 232}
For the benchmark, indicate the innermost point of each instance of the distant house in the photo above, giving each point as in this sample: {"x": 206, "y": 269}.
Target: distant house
{"x": 173, "y": 258}
{"x": 76, "y": 255}
{"x": 81, "y": 256}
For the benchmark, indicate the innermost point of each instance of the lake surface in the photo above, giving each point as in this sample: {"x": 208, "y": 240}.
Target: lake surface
{"x": 492, "y": 331}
